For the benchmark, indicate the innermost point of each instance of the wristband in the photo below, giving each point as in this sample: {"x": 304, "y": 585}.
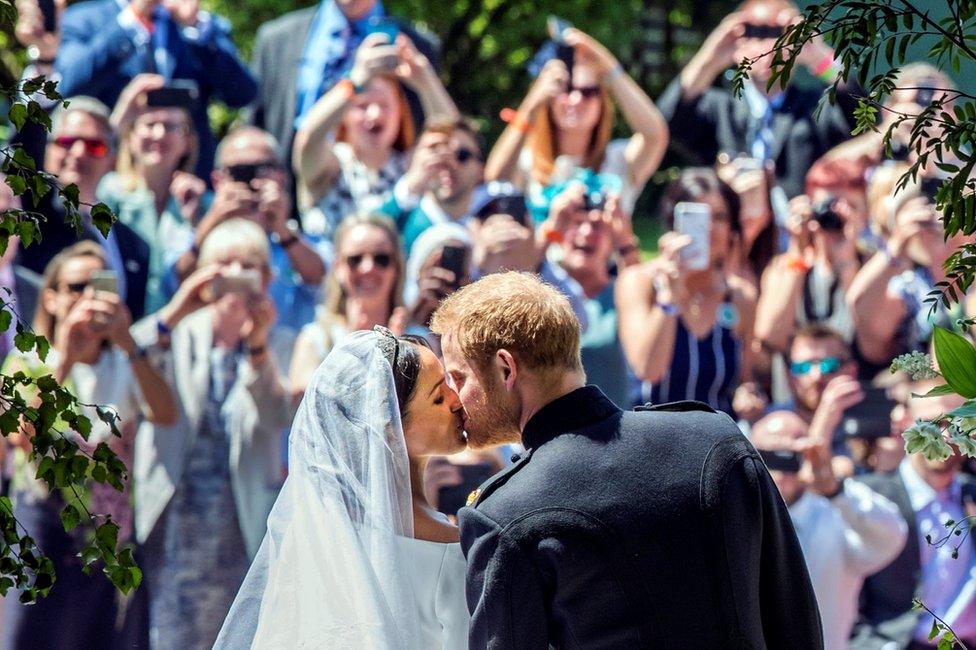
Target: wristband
{"x": 257, "y": 350}
{"x": 288, "y": 243}
{"x": 551, "y": 235}
{"x": 797, "y": 263}
{"x": 162, "y": 328}
{"x": 514, "y": 119}
{"x": 138, "y": 352}
{"x": 348, "y": 88}
{"x": 837, "y": 491}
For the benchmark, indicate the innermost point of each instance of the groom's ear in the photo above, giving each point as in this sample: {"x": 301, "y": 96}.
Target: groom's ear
{"x": 507, "y": 368}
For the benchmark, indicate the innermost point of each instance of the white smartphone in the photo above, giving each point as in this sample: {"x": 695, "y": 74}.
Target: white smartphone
{"x": 694, "y": 220}
{"x": 106, "y": 281}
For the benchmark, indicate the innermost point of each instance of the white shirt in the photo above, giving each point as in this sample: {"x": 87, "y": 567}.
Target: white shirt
{"x": 948, "y": 586}
{"x": 845, "y": 539}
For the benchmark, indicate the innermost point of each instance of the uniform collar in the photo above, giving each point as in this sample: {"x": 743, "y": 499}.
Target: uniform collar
{"x": 581, "y": 408}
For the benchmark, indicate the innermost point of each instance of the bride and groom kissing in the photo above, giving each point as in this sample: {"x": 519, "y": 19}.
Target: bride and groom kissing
{"x": 658, "y": 527}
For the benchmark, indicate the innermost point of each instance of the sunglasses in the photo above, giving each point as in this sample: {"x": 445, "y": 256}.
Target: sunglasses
{"x": 827, "y": 366}
{"x": 586, "y": 92}
{"x": 463, "y": 155}
{"x": 75, "y": 287}
{"x": 93, "y": 147}
{"x": 381, "y": 260}
{"x": 763, "y": 31}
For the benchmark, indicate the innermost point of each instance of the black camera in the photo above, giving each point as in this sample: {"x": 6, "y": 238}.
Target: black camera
{"x": 594, "y": 200}
{"x": 825, "y": 215}
{"x": 930, "y": 187}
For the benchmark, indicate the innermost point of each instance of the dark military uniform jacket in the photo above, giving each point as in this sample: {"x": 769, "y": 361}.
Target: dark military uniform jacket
{"x": 655, "y": 528}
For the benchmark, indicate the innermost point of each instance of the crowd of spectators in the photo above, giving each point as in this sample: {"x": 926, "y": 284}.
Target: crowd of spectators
{"x": 353, "y": 193}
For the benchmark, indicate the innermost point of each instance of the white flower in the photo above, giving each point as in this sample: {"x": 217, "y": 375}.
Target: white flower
{"x": 961, "y": 436}
{"x": 926, "y": 438}
{"x": 917, "y": 365}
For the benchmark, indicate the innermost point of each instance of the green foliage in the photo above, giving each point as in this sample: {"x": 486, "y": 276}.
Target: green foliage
{"x": 38, "y": 409}
{"x": 957, "y": 362}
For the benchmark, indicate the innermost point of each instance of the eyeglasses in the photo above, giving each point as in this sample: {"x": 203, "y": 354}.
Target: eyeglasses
{"x": 148, "y": 128}
{"x": 93, "y": 146}
{"x": 463, "y": 155}
{"x": 827, "y": 366}
{"x": 763, "y": 31}
{"x": 381, "y": 260}
{"x": 586, "y": 92}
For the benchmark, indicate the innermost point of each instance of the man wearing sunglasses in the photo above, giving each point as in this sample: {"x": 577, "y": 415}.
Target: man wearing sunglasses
{"x": 80, "y": 151}
{"x": 823, "y": 381}
{"x": 447, "y": 165}
{"x": 251, "y": 182}
{"x": 847, "y": 530}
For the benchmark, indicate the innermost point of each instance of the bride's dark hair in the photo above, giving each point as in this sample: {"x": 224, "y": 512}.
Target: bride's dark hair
{"x": 403, "y": 354}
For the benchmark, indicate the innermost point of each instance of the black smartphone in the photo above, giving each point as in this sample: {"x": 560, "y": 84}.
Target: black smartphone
{"x": 825, "y": 215}
{"x": 567, "y": 55}
{"x": 763, "y": 31}
{"x": 513, "y": 206}
{"x": 452, "y": 498}
{"x": 179, "y": 93}
{"x": 871, "y": 418}
{"x": 50, "y": 15}
{"x": 781, "y": 460}
{"x": 453, "y": 259}
{"x": 930, "y": 187}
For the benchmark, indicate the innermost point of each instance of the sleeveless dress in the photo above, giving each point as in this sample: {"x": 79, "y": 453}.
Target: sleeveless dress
{"x": 705, "y": 369}
{"x": 436, "y": 573}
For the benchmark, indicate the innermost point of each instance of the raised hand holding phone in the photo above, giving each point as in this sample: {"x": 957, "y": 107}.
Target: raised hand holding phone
{"x": 695, "y": 221}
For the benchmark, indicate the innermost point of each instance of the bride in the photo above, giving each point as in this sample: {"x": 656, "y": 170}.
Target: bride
{"x": 354, "y": 556}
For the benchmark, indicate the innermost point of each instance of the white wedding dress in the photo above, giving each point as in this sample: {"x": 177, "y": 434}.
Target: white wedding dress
{"x": 339, "y": 566}
{"x": 436, "y": 574}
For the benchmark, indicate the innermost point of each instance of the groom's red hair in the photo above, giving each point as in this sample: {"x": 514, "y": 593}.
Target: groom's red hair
{"x": 516, "y": 312}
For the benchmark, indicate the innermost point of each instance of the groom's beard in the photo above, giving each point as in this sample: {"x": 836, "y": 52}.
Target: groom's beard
{"x": 492, "y": 421}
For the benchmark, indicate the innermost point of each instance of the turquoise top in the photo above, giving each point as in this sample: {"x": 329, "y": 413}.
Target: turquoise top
{"x": 603, "y": 356}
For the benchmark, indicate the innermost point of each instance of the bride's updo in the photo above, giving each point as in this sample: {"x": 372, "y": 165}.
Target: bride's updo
{"x": 403, "y": 354}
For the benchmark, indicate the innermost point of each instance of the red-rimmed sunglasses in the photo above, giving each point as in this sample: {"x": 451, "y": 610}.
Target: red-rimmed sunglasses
{"x": 93, "y": 147}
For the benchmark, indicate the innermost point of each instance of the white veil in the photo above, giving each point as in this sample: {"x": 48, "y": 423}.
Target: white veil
{"x": 327, "y": 573}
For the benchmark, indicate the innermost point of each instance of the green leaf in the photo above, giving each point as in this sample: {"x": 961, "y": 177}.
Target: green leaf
{"x": 102, "y": 218}
{"x": 6, "y": 318}
{"x": 24, "y": 159}
{"x": 70, "y": 518}
{"x": 18, "y": 115}
{"x": 107, "y": 537}
{"x": 17, "y": 183}
{"x": 957, "y": 361}
{"x": 967, "y": 410}
{"x": 43, "y": 347}
{"x": 934, "y": 632}
{"x": 24, "y": 340}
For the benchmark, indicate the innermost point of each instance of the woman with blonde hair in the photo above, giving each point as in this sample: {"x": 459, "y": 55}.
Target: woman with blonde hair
{"x": 355, "y": 143}
{"x": 559, "y": 127}
{"x": 153, "y": 190}
{"x": 364, "y": 289}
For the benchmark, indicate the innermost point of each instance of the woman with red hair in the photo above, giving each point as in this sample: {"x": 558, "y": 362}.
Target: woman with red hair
{"x": 569, "y": 117}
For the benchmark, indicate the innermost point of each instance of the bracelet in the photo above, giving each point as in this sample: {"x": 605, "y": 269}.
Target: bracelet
{"x": 194, "y": 250}
{"x": 256, "y": 351}
{"x": 288, "y": 243}
{"x": 615, "y": 72}
{"x": 138, "y": 352}
{"x": 162, "y": 328}
{"x": 551, "y": 235}
{"x": 837, "y": 492}
{"x": 514, "y": 119}
{"x": 668, "y": 308}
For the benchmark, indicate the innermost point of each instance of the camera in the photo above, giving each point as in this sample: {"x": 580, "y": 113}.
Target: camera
{"x": 825, "y": 215}
{"x": 594, "y": 201}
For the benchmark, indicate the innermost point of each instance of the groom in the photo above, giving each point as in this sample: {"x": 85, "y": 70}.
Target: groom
{"x": 654, "y": 528}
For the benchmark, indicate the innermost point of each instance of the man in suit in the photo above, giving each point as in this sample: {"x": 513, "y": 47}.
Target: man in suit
{"x": 320, "y": 43}
{"x": 80, "y": 151}
{"x": 106, "y": 43}
{"x": 657, "y": 528}
{"x": 776, "y": 125}
{"x": 928, "y": 493}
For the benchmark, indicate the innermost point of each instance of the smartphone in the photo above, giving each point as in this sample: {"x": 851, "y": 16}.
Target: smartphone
{"x": 50, "y": 15}
{"x": 453, "y": 259}
{"x": 383, "y": 25}
{"x": 871, "y": 418}
{"x": 513, "y": 206}
{"x": 106, "y": 281}
{"x": 556, "y": 27}
{"x": 763, "y": 31}
{"x": 247, "y": 281}
{"x": 178, "y": 93}
{"x": 926, "y": 91}
{"x": 694, "y": 220}
{"x": 781, "y": 460}
{"x": 930, "y": 187}
{"x": 452, "y": 498}
{"x": 744, "y": 164}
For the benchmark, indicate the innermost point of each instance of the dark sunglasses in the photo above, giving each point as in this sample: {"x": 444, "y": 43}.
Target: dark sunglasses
{"x": 463, "y": 155}
{"x": 763, "y": 31}
{"x": 382, "y": 260}
{"x": 827, "y": 365}
{"x": 247, "y": 172}
{"x": 93, "y": 147}
{"x": 75, "y": 287}
{"x": 587, "y": 92}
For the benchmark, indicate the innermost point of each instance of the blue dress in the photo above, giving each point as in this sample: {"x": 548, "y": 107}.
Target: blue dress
{"x": 705, "y": 369}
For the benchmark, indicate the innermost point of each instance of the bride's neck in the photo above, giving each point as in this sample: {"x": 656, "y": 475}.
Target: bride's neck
{"x": 427, "y": 524}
